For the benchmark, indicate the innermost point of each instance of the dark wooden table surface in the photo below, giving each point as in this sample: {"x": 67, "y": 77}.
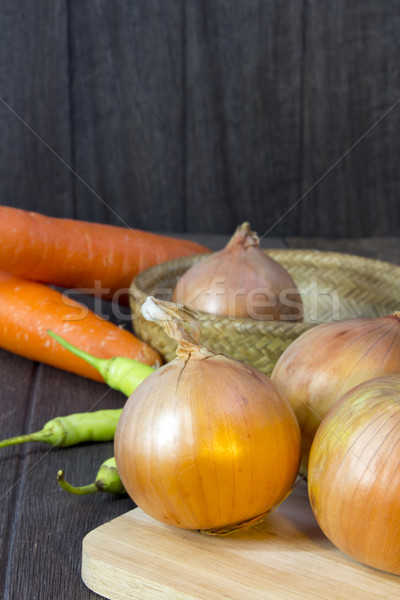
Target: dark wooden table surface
{"x": 42, "y": 526}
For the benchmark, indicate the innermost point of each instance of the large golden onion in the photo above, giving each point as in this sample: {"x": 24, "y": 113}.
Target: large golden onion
{"x": 205, "y": 442}
{"x": 354, "y": 473}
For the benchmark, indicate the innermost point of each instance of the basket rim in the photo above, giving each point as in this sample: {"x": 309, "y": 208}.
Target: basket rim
{"x": 136, "y": 293}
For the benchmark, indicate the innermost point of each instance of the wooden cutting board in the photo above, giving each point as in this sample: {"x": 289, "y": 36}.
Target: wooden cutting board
{"x": 285, "y": 557}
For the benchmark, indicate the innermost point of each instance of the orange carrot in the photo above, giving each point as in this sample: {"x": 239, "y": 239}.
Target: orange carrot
{"x": 28, "y": 309}
{"x": 72, "y": 253}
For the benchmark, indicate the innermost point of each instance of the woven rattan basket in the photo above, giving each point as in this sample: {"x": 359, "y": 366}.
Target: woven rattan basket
{"x": 333, "y": 286}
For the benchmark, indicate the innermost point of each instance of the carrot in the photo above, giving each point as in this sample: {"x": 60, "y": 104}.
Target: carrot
{"x": 72, "y": 253}
{"x": 28, "y": 309}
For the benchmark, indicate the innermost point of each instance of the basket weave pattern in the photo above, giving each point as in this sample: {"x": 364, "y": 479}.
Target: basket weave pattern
{"x": 332, "y": 286}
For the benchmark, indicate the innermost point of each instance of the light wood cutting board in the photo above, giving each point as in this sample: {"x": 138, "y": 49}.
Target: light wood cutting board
{"x": 285, "y": 557}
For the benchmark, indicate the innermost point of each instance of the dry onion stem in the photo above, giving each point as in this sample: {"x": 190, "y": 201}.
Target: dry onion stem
{"x": 240, "y": 281}
{"x": 205, "y": 442}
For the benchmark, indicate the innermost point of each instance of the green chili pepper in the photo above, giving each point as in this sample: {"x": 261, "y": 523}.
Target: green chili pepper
{"x": 98, "y": 426}
{"x": 120, "y": 373}
{"x": 107, "y": 480}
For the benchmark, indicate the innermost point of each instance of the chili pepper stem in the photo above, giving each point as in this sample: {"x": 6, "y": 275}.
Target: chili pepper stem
{"x": 119, "y": 372}
{"x": 107, "y": 480}
{"x": 94, "y": 361}
{"x": 77, "y": 490}
{"x": 21, "y": 439}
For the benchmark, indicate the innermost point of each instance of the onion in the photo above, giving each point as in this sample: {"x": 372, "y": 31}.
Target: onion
{"x": 354, "y": 474}
{"x": 240, "y": 281}
{"x": 205, "y": 442}
{"x": 328, "y": 360}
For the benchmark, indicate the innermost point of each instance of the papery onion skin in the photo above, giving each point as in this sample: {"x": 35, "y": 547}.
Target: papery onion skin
{"x": 354, "y": 474}
{"x": 206, "y": 443}
{"x": 240, "y": 281}
{"x": 330, "y": 359}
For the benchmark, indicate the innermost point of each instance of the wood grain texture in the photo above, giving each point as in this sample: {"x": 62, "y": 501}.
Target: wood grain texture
{"x": 14, "y": 400}
{"x": 351, "y": 113}
{"x": 217, "y": 242}
{"x": 34, "y": 107}
{"x": 193, "y": 116}
{"x": 243, "y": 74}
{"x": 127, "y": 111}
{"x": 386, "y": 249}
{"x": 39, "y": 520}
{"x": 286, "y": 557}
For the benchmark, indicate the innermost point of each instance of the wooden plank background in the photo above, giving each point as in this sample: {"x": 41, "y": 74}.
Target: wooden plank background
{"x": 194, "y": 115}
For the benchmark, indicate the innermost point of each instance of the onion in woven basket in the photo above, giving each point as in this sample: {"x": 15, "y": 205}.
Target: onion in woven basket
{"x": 241, "y": 281}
